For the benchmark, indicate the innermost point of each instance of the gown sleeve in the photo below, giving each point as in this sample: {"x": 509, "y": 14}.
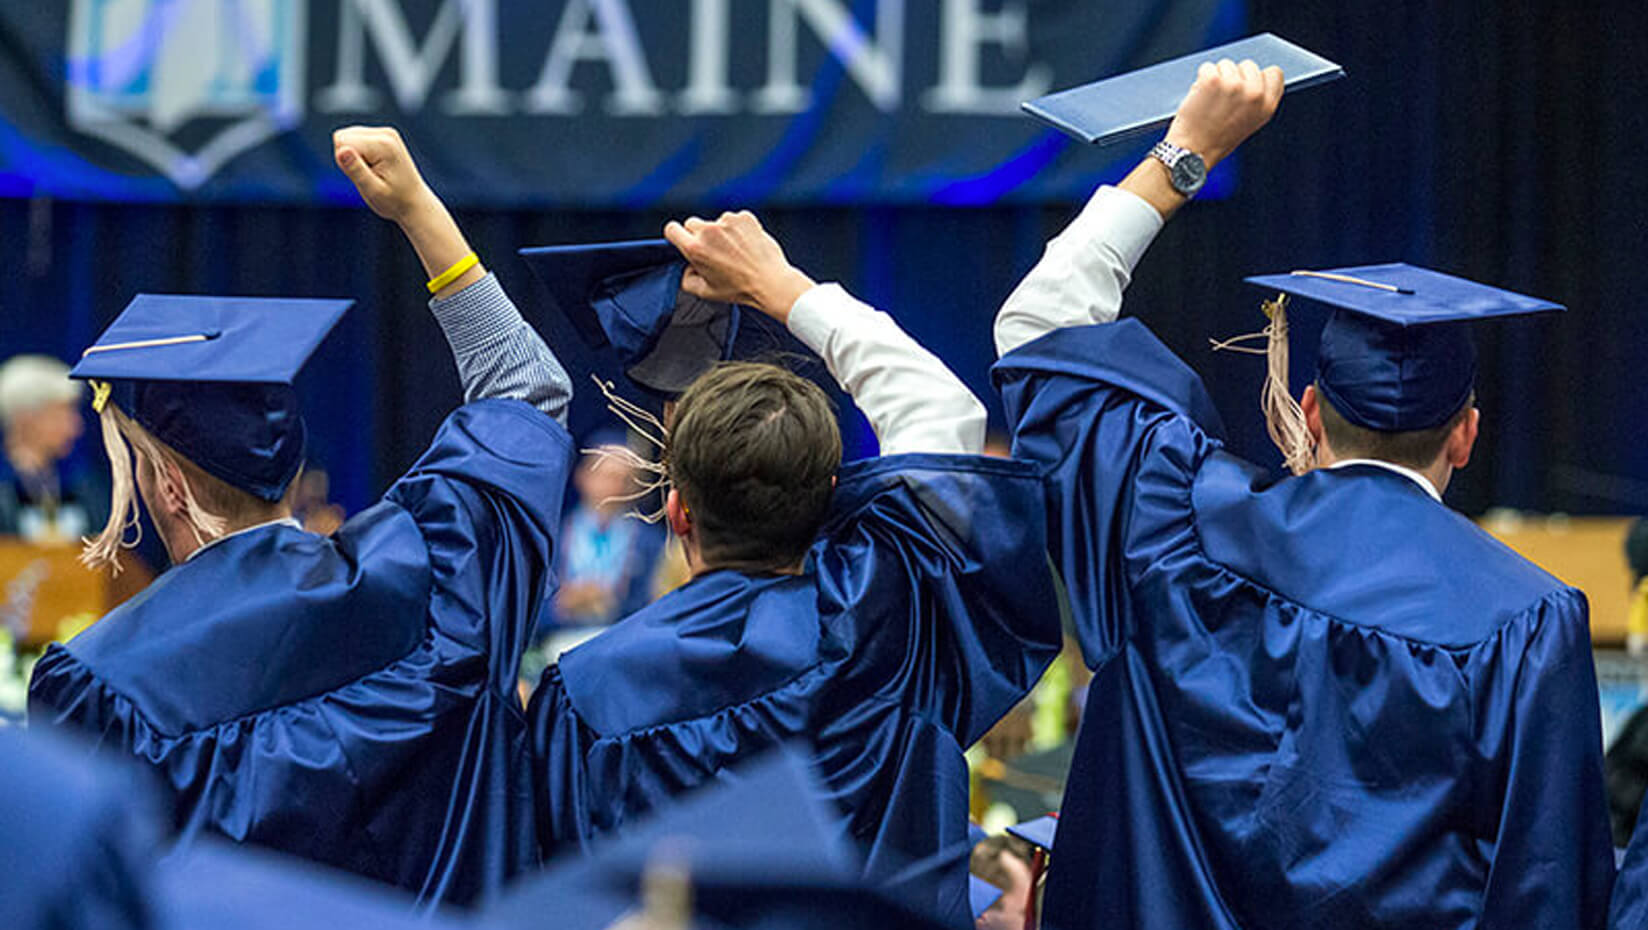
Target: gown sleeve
{"x": 487, "y": 498}
{"x": 935, "y": 569}
{"x": 1552, "y": 857}
{"x": 1088, "y": 406}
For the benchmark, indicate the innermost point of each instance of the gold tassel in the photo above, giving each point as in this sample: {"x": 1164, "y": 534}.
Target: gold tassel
{"x": 1284, "y": 418}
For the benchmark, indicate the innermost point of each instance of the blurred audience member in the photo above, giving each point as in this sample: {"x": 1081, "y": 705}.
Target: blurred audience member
{"x": 1005, "y": 862}
{"x": 41, "y": 498}
{"x": 313, "y": 506}
{"x": 1636, "y": 556}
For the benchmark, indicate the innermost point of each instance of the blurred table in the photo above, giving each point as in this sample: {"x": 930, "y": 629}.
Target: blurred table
{"x": 1586, "y": 552}
{"x": 46, "y": 594}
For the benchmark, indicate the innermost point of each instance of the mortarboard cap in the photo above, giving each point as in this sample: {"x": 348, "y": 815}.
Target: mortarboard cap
{"x": 212, "y": 884}
{"x": 212, "y": 378}
{"x": 1039, "y": 832}
{"x": 80, "y": 834}
{"x": 1396, "y": 354}
{"x": 628, "y": 295}
{"x": 758, "y": 849}
{"x": 981, "y": 895}
{"x": 1139, "y": 101}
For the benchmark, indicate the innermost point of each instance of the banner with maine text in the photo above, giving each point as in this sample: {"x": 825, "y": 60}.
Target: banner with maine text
{"x": 612, "y": 103}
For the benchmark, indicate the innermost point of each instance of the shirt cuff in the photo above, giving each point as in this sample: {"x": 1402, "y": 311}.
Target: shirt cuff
{"x": 476, "y": 316}
{"x": 1121, "y": 220}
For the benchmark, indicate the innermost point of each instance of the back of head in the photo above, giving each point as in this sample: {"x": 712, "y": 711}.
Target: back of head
{"x": 1417, "y": 449}
{"x": 753, "y": 453}
{"x": 30, "y": 382}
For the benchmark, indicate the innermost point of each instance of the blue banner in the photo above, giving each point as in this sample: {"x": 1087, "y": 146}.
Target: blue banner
{"x": 614, "y": 103}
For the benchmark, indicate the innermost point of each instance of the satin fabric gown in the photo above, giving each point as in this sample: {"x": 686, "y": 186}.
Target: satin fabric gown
{"x": 1323, "y": 701}
{"x": 925, "y": 613}
{"x": 1629, "y": 909}
{"x": 347, "y": 699}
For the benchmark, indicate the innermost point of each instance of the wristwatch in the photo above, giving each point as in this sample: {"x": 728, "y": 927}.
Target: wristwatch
{"x": 1185, "y": 169}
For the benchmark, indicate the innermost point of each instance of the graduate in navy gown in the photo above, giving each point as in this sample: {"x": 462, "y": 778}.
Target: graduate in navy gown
{"x": 1629, "y": 908}
{"x": 350, "y": 699}
{"x": 886, "y": 612}
{"x": 1319, "y": 701}
{"x": 84, "y": 850}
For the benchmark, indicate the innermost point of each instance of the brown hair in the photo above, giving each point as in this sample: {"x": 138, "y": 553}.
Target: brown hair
{"x": 1417, "y": 449}
{"x": 753, "y": 449}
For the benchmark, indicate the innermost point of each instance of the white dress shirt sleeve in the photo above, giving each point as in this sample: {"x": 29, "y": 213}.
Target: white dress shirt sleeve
{"x": 1081, "y": 276}
{"x": 914, "y": 402}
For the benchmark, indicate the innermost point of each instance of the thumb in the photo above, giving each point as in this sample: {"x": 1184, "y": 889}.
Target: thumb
{"x": 692, "y": 281}
{"x": 355, "y": 168}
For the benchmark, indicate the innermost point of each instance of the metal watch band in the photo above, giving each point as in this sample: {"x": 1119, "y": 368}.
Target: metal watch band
{"x": 1167, "y": 153}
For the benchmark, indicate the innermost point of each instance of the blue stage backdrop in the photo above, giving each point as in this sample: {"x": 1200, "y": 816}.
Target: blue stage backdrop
{"x": 605, "y": 103}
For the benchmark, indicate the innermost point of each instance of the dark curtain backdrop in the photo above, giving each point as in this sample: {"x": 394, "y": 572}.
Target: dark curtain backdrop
{"x": 1503, "y": 142}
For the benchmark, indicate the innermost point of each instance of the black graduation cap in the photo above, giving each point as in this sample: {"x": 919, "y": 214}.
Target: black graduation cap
{"x": 627, "y": 295}
{"x": 1396, "y": 354}
{"x": 212, "y": 378}
{"x": 1138, "y": 101}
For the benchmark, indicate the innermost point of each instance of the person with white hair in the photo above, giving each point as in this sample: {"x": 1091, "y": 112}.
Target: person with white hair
{"x": 42, "y": 499}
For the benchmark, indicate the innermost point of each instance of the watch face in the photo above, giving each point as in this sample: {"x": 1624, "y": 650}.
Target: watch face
{"x": 1189, "y": 173}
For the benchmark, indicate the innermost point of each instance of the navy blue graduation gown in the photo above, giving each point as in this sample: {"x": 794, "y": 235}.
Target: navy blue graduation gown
{"x": 347, "y": 699}
{"x": 1629, "y": 910}
{"x": 1324, "y": 701}
{"x": 925, "y": 612}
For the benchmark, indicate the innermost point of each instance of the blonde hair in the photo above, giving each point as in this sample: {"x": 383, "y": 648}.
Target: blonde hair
{"x": 104, "y": 549}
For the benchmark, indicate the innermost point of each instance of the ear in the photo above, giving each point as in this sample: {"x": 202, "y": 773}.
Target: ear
{"x": 1311, "y": 404}
{"x": 680, "y": 522}
{"x": 1462, "y": 439}
{"x": 169, "y": 488}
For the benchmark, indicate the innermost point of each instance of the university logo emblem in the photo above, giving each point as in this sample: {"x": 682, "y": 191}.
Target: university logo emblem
{"x": 186, "y": 85}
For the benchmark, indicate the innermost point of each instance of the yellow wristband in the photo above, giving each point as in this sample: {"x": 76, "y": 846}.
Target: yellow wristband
{"x": 452, "y": 274}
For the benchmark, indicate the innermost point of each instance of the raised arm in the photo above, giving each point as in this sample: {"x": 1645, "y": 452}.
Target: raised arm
{"x": 914, "y": 402}
{"x": 497, "y": 353}
{"x": 1080, "y": 279}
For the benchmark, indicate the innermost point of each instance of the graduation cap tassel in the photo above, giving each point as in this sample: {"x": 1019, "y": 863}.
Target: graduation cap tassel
{"x": 104, "y": 549}
{"x": 648, "y": 427}
{"x": 657, "y": 483}
{"x": 1284, "y": 418}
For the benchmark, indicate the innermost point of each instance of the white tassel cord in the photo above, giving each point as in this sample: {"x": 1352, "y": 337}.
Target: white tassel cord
{"x": 648, "y": 427}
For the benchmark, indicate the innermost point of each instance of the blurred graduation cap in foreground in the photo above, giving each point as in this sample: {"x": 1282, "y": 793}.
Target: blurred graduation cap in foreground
{"x": 757, "y": 850}
{"x": 212, "y": 378}
{"x": 627, "y": 295}
{"x": 1128, "y": 104}
{"x": 1396, "y": 353}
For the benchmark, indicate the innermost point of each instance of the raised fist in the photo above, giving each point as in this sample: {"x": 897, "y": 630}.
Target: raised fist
{"x": 376, "y": 159}
{"x": 1228, "y": 103}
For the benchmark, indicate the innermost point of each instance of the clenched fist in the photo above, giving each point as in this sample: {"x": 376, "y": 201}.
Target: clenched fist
{"x": 376, "y": 159}
{"x": 735, "y": 260}
{"x": 1228, "y": 103}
